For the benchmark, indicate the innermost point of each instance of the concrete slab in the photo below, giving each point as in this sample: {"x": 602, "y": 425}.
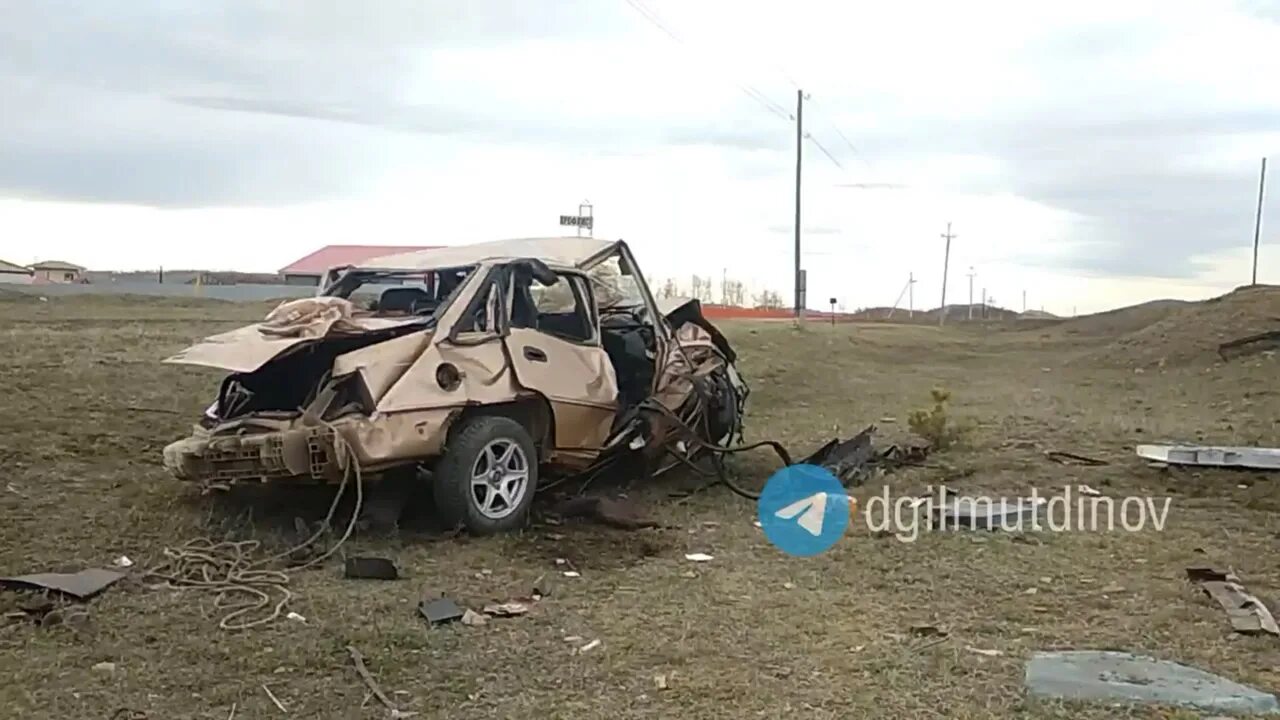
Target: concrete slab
{"x": 1120, "y": 676}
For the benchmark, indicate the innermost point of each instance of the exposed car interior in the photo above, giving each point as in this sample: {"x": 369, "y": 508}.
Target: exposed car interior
{"x": 408, "y": 300}
{"x": 562, "y": 309}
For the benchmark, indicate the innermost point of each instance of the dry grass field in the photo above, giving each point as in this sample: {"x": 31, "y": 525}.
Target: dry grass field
{"x": 87, "y": 407}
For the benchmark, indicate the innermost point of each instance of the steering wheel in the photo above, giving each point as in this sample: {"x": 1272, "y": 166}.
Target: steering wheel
{"x": 611, "y": 313}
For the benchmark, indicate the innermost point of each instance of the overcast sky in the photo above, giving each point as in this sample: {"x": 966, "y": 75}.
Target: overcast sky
{"x": 1092, "y": 153}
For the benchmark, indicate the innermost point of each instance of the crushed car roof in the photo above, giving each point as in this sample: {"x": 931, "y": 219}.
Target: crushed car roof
{"x": 565, "y": 251}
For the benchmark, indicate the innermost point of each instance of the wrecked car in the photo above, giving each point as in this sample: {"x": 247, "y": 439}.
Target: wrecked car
{"x": 484, "y": 369}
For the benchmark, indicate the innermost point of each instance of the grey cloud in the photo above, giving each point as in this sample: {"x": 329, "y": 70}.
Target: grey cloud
{"x": 1157, "y": 193}
{"x": 1149, "y": 187}
{"x": 186, "y": 102}
{"x": 109, "y": 147}
{"x": 584, "y": 134}
{"x": 86, "y": 88}
{"x": 175, "y": 46}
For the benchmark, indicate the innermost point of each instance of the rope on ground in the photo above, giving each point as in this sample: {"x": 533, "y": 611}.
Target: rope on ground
{"x": 248, "y": 588}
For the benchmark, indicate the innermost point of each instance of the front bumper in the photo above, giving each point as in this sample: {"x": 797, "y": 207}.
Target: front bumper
{"x": 306, "y": 452}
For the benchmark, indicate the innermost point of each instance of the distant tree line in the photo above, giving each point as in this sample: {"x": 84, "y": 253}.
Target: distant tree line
{"x": 726, "y": 292}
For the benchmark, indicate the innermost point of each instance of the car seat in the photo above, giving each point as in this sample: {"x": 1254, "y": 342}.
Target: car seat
{"x": 406, "y": 300}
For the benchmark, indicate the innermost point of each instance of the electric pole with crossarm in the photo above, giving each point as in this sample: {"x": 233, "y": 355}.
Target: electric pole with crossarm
{"x": 946, "y": 261}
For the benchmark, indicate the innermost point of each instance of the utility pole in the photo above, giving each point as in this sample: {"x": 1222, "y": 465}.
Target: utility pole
{"x": 911, "y": 295}
{"x": 799, "y": 155}
{"x": 984, "y": 303}
{"x": 971, "y": 274}
{"x": 946, "y": 261}
{"x": 1257, "y": 222}
{"x": 1024, "y": 301}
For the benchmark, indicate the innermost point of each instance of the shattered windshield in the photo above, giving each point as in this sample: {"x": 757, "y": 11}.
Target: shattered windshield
{"x": 615, "y": 285}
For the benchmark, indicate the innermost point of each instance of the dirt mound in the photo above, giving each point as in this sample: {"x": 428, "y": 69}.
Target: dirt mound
{"x": 1191, "y": 333}
{"x": 1120, "y": 321}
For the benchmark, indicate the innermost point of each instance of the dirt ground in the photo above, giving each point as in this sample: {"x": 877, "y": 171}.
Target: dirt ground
{"x": 753, "y": 633}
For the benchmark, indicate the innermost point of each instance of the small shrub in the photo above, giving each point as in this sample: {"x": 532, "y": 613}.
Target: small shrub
{"x": 934, "y": 425}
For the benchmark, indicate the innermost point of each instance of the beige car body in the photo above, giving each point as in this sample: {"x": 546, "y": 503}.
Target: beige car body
{"x": 406, "y": 381}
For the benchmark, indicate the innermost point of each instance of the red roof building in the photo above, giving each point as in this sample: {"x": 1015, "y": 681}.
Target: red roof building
{"x": 309, "y": 269}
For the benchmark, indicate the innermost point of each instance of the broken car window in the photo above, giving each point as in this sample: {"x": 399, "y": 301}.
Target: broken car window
{"x": 396, "y": 293}
{"x": 560, "y": 309}
{"x": 482, "y": 319}
{"x": 614, "y": 284}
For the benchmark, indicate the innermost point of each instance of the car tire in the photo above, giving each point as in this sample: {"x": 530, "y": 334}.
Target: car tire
{"x": 486, "y": 479}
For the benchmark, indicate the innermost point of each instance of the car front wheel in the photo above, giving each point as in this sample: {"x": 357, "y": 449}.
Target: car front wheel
{"x": 486, "y": 479}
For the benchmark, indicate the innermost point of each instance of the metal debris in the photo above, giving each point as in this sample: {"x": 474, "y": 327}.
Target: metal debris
{"x": 1260, "y": 458}
{"x": 854, "y": 460}
{"x": 81, "y": 585}
{"x": 1248, "y": 614}
{"x": 1070, "y": 458}
{"x": 441, "y": 611}
{"x": 371, "y": 568}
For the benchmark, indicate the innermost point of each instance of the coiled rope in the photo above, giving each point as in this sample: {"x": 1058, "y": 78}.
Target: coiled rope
{"x": 254, "y": 589}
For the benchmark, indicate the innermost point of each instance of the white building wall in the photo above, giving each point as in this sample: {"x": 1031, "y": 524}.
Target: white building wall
{"x": 13, "y": 278}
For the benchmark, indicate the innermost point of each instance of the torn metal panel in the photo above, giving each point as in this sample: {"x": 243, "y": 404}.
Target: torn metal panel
{"x": 855, "y": 459}
{"x": 80, "y": 585}
{"x": 247, "y": 349}
{"x": 1259, "y": 458}
{"x": 846, "y": 459}
{"x": 563, "y": 251}
{"x": 1248, "y": 614}
{"x": 440, "y": 611}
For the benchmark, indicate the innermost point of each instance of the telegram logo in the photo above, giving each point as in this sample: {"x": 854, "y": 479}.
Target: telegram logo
{"x": 803, "y": 510}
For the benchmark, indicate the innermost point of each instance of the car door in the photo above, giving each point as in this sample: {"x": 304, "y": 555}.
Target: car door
{"x": 554, "y": 344}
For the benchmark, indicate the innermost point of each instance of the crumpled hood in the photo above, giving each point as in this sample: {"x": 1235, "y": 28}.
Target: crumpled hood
{"x": 248, "y": 348}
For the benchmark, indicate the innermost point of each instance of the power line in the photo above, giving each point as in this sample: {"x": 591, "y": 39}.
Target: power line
{"x": 824, "y": 150}
{"x": 848, "y": 143}
{"x": 750, "y": 91}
